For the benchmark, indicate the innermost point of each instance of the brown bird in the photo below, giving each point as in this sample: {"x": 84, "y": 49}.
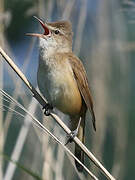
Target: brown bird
{"x": 62, "y": 78}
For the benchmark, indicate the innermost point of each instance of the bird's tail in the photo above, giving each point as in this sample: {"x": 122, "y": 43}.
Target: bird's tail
{"x": 81, "y": 136}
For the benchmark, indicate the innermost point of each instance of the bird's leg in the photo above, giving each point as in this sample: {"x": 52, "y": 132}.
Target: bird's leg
{"x": 73, "y": 133}
{"x": 48, "y": 108}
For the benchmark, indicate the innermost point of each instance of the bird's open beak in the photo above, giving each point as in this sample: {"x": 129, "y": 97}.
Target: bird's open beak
{"x": 44, "y": 25}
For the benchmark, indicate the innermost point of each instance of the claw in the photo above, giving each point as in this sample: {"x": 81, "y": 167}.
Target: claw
{"x": 48, "y": 108}
{"x": 71, "y": 136}
{"x": 73, "y": 133}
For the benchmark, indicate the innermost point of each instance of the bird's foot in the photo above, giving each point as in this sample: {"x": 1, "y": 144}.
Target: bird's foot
{"x": 72, "y": 134}
{"x": 48, "y": 108}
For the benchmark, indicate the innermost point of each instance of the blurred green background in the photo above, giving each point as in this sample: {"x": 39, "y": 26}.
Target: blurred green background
{"x": 104, "y": 35}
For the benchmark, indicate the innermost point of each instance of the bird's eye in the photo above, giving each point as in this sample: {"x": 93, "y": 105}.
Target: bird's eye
{"x": 57, "y": 32}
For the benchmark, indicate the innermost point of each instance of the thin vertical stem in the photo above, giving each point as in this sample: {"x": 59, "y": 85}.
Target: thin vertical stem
{"x": 1, "y": 86}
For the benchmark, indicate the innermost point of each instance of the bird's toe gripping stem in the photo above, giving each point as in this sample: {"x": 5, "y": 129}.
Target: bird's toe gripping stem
{"x": 73, "y": 133}
{"x": 48, "y": 108}
{"x": 71, "y": 136}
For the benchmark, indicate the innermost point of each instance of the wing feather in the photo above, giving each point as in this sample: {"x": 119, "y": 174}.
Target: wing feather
{"x": 82, "y": 82}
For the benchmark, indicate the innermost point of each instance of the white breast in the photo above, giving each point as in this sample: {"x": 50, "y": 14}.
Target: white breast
{"x": 59, "y": 87}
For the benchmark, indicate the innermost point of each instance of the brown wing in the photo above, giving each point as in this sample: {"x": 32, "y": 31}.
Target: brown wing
{"x": 82, "y": 82}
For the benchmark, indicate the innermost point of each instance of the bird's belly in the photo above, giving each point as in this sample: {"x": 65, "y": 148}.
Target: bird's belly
{"x": 67, "y": 99}
{"x": 61, "y": 91}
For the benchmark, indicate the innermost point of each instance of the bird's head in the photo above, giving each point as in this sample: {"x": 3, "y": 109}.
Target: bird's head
{"x": 57, "y": 36}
